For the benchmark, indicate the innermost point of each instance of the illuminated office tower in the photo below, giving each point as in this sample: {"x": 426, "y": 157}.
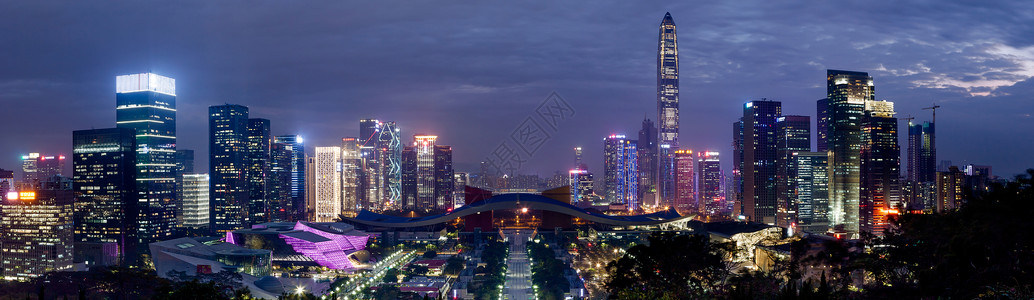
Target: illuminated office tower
{"x": 195, "y": 201}
{"x": 620, "y": 171}
{"x": 950, "y": 193}
{"x": 822, "y": 124}
{"x": 228, "y": 167}
{"x": 922, "y": 169}
{"x": 104, "y": 177}
{"x": 581, "y": 185}
{"x": 371, "y": 173}
{"x": 685, "y": 182}
{"x": 760, "y": 160}
{"x": 425, "y": 180}
{"x": 812, "y": 179}
{"x": 460, "y": 182}
{"x": 390, "y": 147}
{"x": 281, "y": 205}
{"x": 647, "y": 151}
{"x": 36, "y": 167}
{"x": 443, "y": 178}
{"x": 793, "y": 135}
{"x": 37, "y": 235}
{"x": 880, "y": 167}
{"x": 409, "y": 178}
{"x": 6, "y": 183}
{"x": 295, "y": 144}
{"x": 351, "y": 176}
{"x": 737, "y": 169}
{"x": 325, "y": 184}
{"x": 847, "y": 92}
{"x": 709, "y": 193}
{"x": 667, "y": 108}
{"x": 147, "y": 103}
{"x": 258, "y": 145}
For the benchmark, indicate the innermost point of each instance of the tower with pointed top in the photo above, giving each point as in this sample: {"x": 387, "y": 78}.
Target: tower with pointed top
{"x": 667, "y": 107}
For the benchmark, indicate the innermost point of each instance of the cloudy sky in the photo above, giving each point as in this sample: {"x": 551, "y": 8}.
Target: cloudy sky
{"x": 470, "y": 72}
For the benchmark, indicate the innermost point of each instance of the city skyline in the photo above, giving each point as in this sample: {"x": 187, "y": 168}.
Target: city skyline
{"x": 610, "y": 101}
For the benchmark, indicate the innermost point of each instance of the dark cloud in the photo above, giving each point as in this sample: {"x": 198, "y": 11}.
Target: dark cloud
{"x": 471, "y": 72}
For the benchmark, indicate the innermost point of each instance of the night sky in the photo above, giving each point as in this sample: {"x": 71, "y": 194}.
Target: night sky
{"x": 471, "y": 72}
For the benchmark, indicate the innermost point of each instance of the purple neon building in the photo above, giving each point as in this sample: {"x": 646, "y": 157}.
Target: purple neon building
{"x": 327, "y": 244}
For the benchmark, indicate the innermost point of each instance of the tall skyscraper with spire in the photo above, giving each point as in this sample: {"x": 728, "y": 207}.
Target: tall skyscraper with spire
{"x": 146, "y": 103}
{"x": 667, "y": 108}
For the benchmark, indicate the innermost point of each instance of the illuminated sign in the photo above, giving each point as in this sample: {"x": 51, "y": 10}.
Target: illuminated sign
{"x": 12, "y": 195}
{"x": 27, "y": 195}
{"x": 145, "y": 82}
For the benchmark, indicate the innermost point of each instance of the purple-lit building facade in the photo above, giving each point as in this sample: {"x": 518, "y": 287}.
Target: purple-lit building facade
{"x": 324, "y": 244}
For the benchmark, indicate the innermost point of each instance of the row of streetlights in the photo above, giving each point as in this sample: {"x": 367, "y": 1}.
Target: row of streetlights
{"x": 394, "y": 260}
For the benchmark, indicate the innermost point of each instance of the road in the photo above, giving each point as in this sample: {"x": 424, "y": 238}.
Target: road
{"x": 518, "y": 270}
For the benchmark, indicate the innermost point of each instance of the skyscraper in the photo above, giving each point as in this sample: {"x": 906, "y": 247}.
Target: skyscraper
{"x": 390, "y": 146}
{"x": 147, "y": 103}
{"x": 281, "y": 204}
{"x": 822, "y": 124}
{"x": 667, "y": 107}
{"x": 737, "y": 169}
{"x": 104, "y": 177}
{"x": 685, "y": 183}
{"x": 794, "y": 135}
{"x": 36, "y": 236}
{"x": 621, "y": 171}
{"x": 409, "y": 178}
{"x": 37, "y": 168}
{"x": 880, "y": 167}
{"x": 228, "y": 167}
{"x": 709, "y": 193}
{"x": 581, "y": 185}
{"x": 351, "y": 176}
{"x": 811, "y": 175}
{"x": 847, "y": 92}
{"x": 184, "y": 165}
{"x": 760, "y": 159}
{"x": 949, "y": 189}
{"x": 443, "y": 178}
{"x": 295, "y": 144}
{"x": 647, "y": 149}
{"x": 325, "y": 184}
{"x": 425, "y": 180}
{"x": 258, "y": 144}
{"x": 922, "y": 165}
{"x": 195, "y": 201}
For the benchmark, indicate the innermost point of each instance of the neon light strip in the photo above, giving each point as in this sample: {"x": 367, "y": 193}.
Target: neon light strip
{"x": 138, "y": 121}
{"x": 144, "y": 106}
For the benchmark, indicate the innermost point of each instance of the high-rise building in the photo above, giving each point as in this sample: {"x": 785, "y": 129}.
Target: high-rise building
{"x": 195, "y": 201}
{"x": 847, "y": 92}
{"x": 37, "y": 168}
{"x": 621, "y": 171}
{"x": 409, "y": 178}
{"x": 685, "y": 183}
{"x": 104, "y": 177}
{"x": 147, "y": 103}
{"x": 295, "y": 144}
{"x": 667, "y": 108}
{"x": 950, "y": 194}
{"x": 36, "y": 234}
{"x": 822, "y": 124}
{"x": 647, "y": 151}
{"x": 581, "y": 185}
{"x": 184, "y": 165}
{"x": 6, "y": 183}
{"x": 281, "y": 204}
{"x": 460, "y": 182}
{"x": 425, "y": 180}
{"x": 390, "y": 146}
{"x": 443, "y": 178}
{"x": 737, "y": 169}
{"x": 258, "y": 145}
{"x": 879, "y": 193}
{"x": 922, "y": 170}
{"x": 760, "y": 159}
{"x": 793, "y": 135}
{"x": 811, "y": 175}
{"x": 351, "y": 176}
{"x": 325, "y": 184}
{"x": 228, "y": 167}
{"x": 709, "y": 192}
{"x": 578, "y": 164}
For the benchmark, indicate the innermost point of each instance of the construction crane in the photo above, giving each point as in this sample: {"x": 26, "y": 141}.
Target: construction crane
{"x": 909, "y": 119}
{"x": 934, "y": 109}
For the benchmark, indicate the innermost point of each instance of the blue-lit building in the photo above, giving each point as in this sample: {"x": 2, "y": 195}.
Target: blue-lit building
{"x": 146, "y": 103}
{"x": 296, "y": 146}
{"x": 621, "y": 171}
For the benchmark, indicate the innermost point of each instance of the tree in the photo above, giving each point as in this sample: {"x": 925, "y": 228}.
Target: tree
{"x": 391, "y": 276}
{"x": 453, "y": 266}
{"x": 430, "y": 254}
{"x": 671, "y": 266}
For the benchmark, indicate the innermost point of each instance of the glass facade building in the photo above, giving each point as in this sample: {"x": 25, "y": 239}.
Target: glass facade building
{"x": 104, "y": 177}
{"x": 811, "y": 175}
{"x": 37, "y": 231}
{"x": 760, "y": 160}
{"x": 794, "y": 135}
{"x": 258, "y": 145}
{"x": 685, "y": 182}
{"x": 621, "y": 171}
{"x": 146, "y": 103}
{"x": 228, "y": 167}
{"x": 880, "y": 167}
{"x": 847, "y": 92}
{"x": 195, "y": 200}
{"x": 712, "y": 203}
{"x": 667, "y": 108}
{"x": 296, "y": 146}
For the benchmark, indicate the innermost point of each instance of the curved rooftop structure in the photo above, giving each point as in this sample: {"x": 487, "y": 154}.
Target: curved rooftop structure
{"x": 516, "y": 201}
